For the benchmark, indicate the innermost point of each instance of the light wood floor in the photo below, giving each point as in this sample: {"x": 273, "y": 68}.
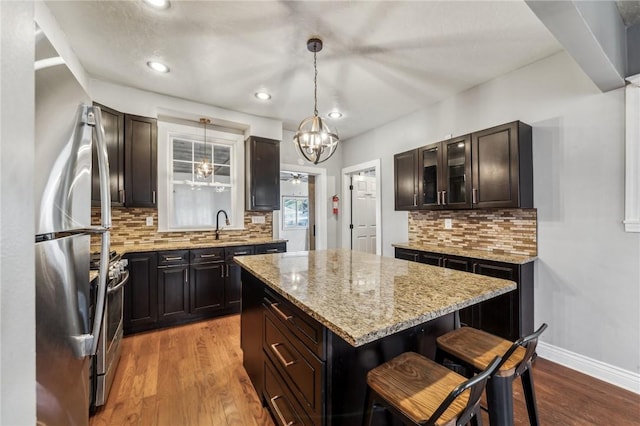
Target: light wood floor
{"x": 193, "y": 375}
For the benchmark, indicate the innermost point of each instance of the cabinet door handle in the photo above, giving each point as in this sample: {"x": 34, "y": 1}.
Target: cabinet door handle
{"x": 438, "y": 198}
{"x": 153, "y": 193}
{"x": 275, "y": 250}
{"x": 415, "y": 199}
{"x": 240, "y": 253}
{"x": 205, "y": 256}
{"x": 222, "y": 271}
{"x": 274, "y": 348}
{"x": 253, "y": 200}
{"x": 122, "y": 195}
{"x": 474, "y": 195}
{"x": 227, "y": 269}
{"x": 279, "y": 413}
{"x": 173, "y": 258}
{"x": 186, "y": 277}
{"x": 280, "y": 313}
{"x": 444, "y": 200}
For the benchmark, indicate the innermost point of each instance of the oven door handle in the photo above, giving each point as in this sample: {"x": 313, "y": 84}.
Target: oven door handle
{"x": 122, "y": 282}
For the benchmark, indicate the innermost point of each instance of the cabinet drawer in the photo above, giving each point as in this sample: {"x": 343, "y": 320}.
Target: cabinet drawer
{"x": 306, "y": 329}
{"x": 407, "y": 254}
{"x": 229, "y": 252}
{"x": 301, "y": 370}
{"x": 212, "y": 254}
{"x": 173, "y": 257}
{"x": 283, "y": 405}
{"x": 271, "y": 248}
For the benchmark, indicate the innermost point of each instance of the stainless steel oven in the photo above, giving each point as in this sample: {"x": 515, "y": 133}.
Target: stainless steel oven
{"x": 109, "y": 344}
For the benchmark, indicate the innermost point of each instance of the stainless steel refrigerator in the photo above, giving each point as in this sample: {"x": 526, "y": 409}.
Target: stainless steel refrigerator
{"x": 67, "y": 321}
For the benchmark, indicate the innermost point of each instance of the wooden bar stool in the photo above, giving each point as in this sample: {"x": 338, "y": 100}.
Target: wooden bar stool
{"x": 422, "y": 392}
{"x": 476, "y": 348}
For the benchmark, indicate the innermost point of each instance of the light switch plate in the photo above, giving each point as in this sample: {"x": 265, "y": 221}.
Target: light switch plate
{"x": 257, "y": 219}
{"x": 448, "y": 224}
{"x": 149, "y": 220}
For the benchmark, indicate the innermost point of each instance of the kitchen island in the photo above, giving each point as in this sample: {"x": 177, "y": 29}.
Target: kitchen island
{"x": 313, "y": 324}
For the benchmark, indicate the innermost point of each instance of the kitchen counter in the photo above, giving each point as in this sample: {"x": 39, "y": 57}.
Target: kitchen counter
{"x": 185, "y": 245}
{"x": 476, "y": 254}
{"x": 363, "y": 297}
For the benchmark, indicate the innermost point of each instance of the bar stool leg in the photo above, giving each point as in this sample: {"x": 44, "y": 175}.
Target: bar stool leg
{"x": 367, "y": 416}
{"x": 476, "y": 420}
{"x": 500, "y": 400}
{"x": 530, "y": 397}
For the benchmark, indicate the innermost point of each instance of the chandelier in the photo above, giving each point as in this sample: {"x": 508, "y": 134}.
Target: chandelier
{"x": 314, "y": 141}
{"x": 204, "y": 167}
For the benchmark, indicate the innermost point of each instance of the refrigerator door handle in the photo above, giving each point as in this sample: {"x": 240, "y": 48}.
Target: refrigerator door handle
{"x": 94, "y": 118}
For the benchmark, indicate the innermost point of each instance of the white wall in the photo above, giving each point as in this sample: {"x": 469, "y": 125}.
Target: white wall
{"x": 587, "y": 277}
{"x": 297, "y": 239}
{"x": 17, "y": 230}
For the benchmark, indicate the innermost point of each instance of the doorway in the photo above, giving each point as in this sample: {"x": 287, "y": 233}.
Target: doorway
{"x": 302, "y": 218}
{"x": 362, "y": 207}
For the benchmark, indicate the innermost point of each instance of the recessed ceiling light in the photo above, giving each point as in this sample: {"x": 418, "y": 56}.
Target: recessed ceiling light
{"x": 158, "y": 66}
{"x": 263, "y": 96}
{"x": 335, "y": 114}
{"x": 158, "y": 4}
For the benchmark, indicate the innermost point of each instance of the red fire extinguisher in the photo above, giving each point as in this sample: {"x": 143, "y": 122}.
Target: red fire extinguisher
{"x": 335, "y": 204}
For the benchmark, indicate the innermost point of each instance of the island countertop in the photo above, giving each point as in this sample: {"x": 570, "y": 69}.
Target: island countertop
{"x": 364, "y": 297}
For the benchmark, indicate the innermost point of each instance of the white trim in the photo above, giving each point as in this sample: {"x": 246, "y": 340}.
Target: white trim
{"x": 632, "y": 155}
{"x": 321, "y": 200}
{"x": 346, "y": 232}
{"x": 611, "y": 374}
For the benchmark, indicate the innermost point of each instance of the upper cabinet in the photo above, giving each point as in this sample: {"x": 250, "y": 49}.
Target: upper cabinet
{"x": 141, "y": 161}
{"x": 405, "y": 167}
{"x": 132, "y": 148}
{"x": 262, "y": 180}
{"x": 487, "y": 169}
{"x": 503, "y": 166}
{"x": 113, "y": 124}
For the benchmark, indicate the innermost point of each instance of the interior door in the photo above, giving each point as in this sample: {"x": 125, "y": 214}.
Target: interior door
{"x": 363, "y": 214}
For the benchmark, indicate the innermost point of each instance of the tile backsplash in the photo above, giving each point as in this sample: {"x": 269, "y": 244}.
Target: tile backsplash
{"x": 511, "y": 231}
{"x": 129, "y": 227}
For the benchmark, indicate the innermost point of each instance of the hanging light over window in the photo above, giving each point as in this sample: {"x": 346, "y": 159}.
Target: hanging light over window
{"x": 314, "y": 141}
{"x": 204, "y": 167}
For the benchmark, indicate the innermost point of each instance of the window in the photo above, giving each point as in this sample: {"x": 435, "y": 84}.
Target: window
{"x": 190, "y": 201}
{"x": 295, "y": 212}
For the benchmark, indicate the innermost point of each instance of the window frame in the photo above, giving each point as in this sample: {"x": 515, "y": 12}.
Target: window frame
{"x": 297, "y": 198}
{"x": 167, "y": 132}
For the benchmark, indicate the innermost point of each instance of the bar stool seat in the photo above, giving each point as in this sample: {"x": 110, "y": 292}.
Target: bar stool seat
{"x": 424, "y": 392}
{"x": 476, "y": 348}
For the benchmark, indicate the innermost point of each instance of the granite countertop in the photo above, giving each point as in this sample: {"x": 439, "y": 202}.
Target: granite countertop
{"x": 93, "y": 275}
{"x": 185, "y": 245}
{"x": 363, "y": 297}
{"x": 515, "y": 259}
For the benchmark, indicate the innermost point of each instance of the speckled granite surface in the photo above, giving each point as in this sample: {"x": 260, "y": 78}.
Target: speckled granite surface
{"x": 93, "y": 275}
{"x": 476, "y": 254}
{"x": 363, "y": 297}
{"x": 185, "y": 245}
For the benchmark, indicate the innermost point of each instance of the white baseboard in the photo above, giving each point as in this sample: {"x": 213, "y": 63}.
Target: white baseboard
{"x": 600, "y": 370}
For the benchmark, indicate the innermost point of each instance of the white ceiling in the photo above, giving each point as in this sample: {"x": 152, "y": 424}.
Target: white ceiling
{"x": 381, "y": 59}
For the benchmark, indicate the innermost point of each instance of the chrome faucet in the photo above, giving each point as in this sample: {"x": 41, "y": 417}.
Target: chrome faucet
{"x": 226, "y": 221}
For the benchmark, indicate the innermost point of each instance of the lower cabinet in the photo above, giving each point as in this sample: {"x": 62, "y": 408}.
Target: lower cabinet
{"x": 141, "y": 292}
{"x": 509, "y": 315}
{"x": 178, "y": 286}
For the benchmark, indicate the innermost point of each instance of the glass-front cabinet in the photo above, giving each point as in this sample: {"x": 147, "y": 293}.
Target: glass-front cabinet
{"x": 445, "y": 174}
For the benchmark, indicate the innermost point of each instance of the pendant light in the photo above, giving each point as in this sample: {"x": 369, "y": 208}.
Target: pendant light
{"x": 314, "y": 141}
{"x": 204, "y": 167}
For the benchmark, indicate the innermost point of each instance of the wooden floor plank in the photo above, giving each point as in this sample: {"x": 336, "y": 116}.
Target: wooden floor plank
{"x": 192, "y": 375}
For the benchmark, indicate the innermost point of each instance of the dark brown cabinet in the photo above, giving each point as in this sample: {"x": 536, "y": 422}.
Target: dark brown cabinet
{"x": 173, "y": 285}
{"x": 141, "y": 293}
{"x": 262, "y": 167}
{"x": 509, "y": 315}
{"x": 233, "y": 283}
{"x": 113, "y": 125}
{"x": 444, "y": 174}
{"x": 503, "y": 166}
{"x": 492, "y": 168}
{"x": 405, "y": 172}
{"x": 141, "y": 158}
{"x": 207, "y": 281}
